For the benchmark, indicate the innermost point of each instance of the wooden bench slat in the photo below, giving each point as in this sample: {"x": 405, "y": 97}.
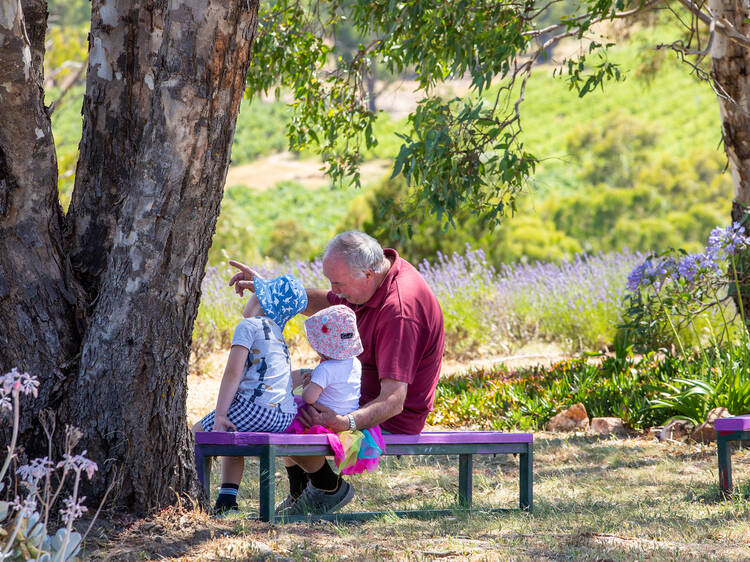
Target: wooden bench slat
{"x": 268, "y": 446}
{"x": 737, "y": 423}
{"x": 433, "y": 437}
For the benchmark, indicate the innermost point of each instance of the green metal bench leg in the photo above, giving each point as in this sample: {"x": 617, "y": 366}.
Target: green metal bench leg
{"x": 526, "y": 481}
{"x": 267, "y": 496}
{"x": 725, "y": 465}
{"x": 464, "y": 480}
{"x": 207, "y": 475}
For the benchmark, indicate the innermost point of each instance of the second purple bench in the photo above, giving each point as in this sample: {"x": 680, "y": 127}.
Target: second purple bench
{"x": 465, "y": 444}
{"x": 729, "y": 429}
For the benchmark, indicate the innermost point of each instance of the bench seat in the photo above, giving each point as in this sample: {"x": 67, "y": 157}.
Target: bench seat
{"x": 465, "y": 444}
{"x": 729, "y": 429}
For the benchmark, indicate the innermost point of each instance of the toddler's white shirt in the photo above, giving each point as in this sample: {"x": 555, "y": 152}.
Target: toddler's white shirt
{"x": 340, "y": 381}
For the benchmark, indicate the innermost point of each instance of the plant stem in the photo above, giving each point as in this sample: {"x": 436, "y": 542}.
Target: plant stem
{"x": 671, "y": 324}
{"x": 12, "y": 447}
{"x": 723, "y": 316}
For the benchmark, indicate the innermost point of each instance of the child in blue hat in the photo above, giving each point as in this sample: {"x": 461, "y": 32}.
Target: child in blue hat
{"x": 256, "y": 389}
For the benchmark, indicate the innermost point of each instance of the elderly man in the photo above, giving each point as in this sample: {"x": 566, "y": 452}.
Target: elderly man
{"x": 401, "y": 326}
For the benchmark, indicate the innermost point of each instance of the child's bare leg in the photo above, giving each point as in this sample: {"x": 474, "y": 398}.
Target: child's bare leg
{"x": 196, "y": 428}
{"x": 231, "y": 469}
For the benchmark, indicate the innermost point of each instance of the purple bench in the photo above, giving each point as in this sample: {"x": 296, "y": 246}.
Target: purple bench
{"x": 729, "y": 429}
{"x": 465, "y": 444}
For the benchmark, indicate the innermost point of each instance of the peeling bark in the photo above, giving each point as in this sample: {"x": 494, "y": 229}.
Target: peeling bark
{"x": 102, "y": 308}
{"x": 140, "y": 329}
{"x": 38, "y": 331}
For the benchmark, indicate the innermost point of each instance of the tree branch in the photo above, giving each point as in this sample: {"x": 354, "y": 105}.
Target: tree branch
{"x": 723, "y": 27}
{"x": 588, "y": 15}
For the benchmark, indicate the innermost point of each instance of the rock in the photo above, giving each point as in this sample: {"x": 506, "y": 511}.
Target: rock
{"x": 705, "y": 432}
{"x": 608, "y": 426}
{"x": 676, "y": 430}
{"x": 653, "y": 432}
{"x": 571, "y": 419}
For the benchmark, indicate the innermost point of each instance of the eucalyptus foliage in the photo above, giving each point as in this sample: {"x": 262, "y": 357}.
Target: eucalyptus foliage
{"x": 457, "y": 154}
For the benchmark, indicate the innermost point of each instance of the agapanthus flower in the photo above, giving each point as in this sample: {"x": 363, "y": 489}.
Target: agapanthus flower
{"x": 695, "y": 265}
{"x": 652, "y": 271}
{"x": 727, "y": 241}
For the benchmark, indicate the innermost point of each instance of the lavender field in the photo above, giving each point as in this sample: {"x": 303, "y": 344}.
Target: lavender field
{"x": 577, "y": 304}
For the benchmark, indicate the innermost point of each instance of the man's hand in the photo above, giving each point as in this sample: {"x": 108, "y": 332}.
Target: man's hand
{"x": 301, "y": 377}
{"x": 317, "y": 414}
{"x": 244, "y": 279}
{"x": 223, "y": 423}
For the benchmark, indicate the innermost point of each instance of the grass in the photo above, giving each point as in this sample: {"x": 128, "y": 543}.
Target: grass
{"x": 628, "y": 499}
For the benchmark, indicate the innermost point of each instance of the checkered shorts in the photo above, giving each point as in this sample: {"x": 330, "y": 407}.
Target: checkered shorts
{"x": 248, "y": 416}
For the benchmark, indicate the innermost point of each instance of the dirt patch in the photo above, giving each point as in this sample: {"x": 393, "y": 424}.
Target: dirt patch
{"x": 266, "y": 172}
{"x": 203, "y": 388}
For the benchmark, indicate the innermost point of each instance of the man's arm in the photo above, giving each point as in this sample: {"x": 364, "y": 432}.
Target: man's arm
{"x": 317, "y": 300}
{"x": 389, "y": 403}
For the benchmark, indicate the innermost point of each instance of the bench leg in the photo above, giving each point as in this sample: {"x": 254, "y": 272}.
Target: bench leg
{"x": 267, "y": 496}
{"x": 203, "y": 468}
{"x": 464, "y": 480}
{"x": 526, "y": 481}
{"x": 725, "y": 465}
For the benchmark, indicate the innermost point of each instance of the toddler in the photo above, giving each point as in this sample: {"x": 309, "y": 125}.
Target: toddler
{"x": 256, "y": 389}
{"x": 334, "y": 383}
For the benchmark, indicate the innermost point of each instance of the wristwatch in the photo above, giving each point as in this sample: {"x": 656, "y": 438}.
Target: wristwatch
{"x": 352, "y": 423}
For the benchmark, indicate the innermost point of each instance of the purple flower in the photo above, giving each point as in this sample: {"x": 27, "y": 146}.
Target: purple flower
{"x": 727, "y": 241}
{"x": 696, "y": 265}
{"x": 651, "y": 272}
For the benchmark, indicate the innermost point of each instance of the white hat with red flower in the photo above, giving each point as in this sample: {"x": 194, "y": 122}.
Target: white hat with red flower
{"x": 333, "y": 332}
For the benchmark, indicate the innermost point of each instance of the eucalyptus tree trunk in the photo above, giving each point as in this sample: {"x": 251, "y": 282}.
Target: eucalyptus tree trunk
{"x": 731, "y": 71}
{"x": 100, "y": 303}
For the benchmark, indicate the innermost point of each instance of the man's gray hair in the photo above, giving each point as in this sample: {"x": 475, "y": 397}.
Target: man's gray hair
{"x": 359, "y": 251}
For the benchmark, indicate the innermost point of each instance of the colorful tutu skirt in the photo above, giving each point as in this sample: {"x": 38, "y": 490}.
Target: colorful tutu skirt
{"x": 354, "y": 452}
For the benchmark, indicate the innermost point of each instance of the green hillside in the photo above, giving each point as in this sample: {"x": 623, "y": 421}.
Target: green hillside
{"x": 638, "y": 165}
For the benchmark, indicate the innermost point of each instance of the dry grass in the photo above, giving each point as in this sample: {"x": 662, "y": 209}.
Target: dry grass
{"x": 632, "y": 499}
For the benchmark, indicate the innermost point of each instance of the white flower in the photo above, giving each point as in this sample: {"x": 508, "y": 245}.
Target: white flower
{"x": 36, "y": 470}
{"x": 73, "y": 508}
{"x": 78, "y": 463}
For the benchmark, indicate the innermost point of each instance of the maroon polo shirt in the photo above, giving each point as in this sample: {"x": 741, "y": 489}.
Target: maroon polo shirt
{"x": 402, "y": 333}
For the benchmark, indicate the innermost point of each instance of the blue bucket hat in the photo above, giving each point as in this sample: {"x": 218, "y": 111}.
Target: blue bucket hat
{"x": 281, "y": 298}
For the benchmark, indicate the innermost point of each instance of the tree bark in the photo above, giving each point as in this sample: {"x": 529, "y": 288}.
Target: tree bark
{"x": 37, "y": 317}
{"x": 731, "y": 72}
{"x": 106, "y": 317}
